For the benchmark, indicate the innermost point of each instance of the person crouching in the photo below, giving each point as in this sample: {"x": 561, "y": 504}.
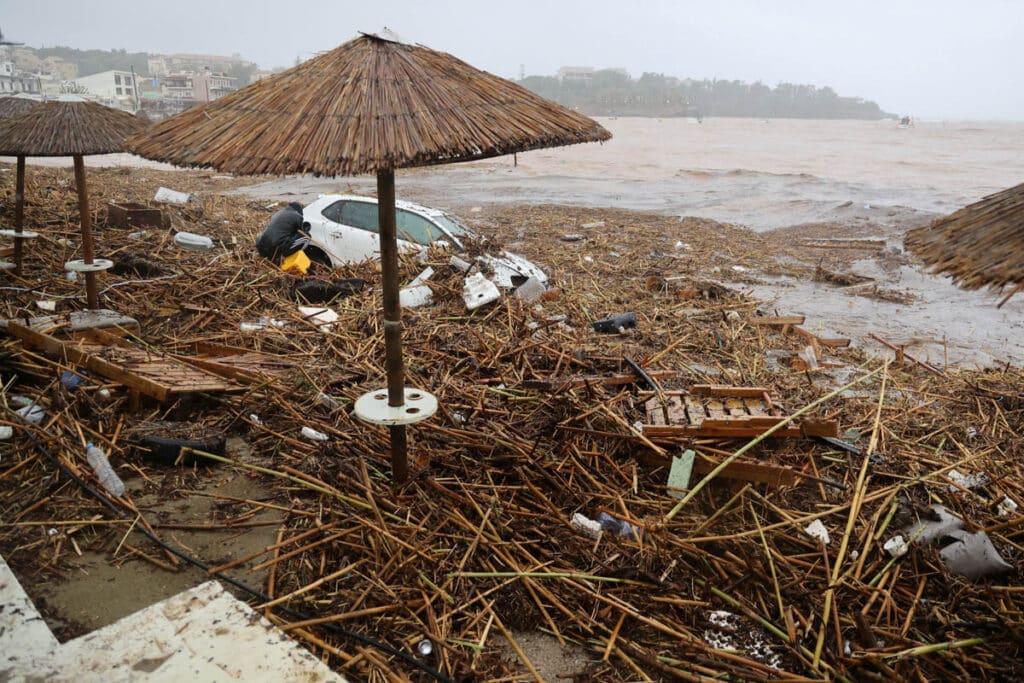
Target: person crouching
{"x": 284, "y": 234}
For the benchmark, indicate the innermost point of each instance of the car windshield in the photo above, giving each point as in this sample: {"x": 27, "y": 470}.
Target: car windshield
{"x": 452, "y": 225}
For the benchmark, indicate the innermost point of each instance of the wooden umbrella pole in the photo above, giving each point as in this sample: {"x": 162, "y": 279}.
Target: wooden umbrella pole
{"x": 392, "y": 318}
{"x": 87, "y": 251}
{"x": 19, "y": 214}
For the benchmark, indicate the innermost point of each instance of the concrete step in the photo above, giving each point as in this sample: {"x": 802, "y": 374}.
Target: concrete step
{"x": 202, "y": 634}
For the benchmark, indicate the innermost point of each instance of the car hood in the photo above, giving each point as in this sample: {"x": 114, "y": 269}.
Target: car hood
{"x": 508, "y": 267}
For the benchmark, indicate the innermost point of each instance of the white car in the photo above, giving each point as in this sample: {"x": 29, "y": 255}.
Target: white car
{"x": 343, "y": 229}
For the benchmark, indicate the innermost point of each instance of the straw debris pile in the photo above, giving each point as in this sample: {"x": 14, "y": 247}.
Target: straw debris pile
{"x": 478, "y": 549}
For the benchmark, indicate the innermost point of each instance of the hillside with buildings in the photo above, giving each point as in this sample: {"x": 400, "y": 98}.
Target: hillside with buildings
{"x": 612, "y": 92}
{"x": 156, "y": 84}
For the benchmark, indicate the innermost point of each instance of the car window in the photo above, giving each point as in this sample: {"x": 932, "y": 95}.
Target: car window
{"x": 452, "y": 225}
{"x": 333, "y": 212}
{"x": 362, "y": 215}
{"x": 415, "y": 228}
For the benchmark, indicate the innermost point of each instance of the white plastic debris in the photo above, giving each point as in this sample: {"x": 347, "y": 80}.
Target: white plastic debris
{"x": 739, "y": 269}
{"x": 1007, "y": 508}
{"x": 417, "y": 293}
{"x": 588, "y": 259}
{"x": 264, "y": 322}
{"x": 459, "y": 264}
{"x": 973, "y": 555}
{"x": 314, "y": 435}
{"x": 970, "y": 554}
{"x": 732, "y": 316}
{"x": 165, "y": 195}
{"x": 588, "y": 526}
{"x": 809, "y": 357}
{"x": 323, "y": 318}
{"x": 573, "y": 237}
{"x": 6, "y": 432}
{"x": 256, "y": 419}
{"x": 479, "y": 291}
{"x": 193, "y": 242}
{"x": 595, "y": 224}
{"x": 47, "y": 305}
{"x": 930, "y": 530}
{"x": 896, "y": 546}
{"x": 137, "y": 235}
{"x": 967, "y": 481}
{"x": 327, "y": 401}
{"x": 817, "y": 531}
{"x": 31, "y": 413}
{"x": 531, "y": 290}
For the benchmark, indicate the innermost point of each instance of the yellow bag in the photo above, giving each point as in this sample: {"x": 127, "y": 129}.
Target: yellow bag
{"x": 297, "y": 263}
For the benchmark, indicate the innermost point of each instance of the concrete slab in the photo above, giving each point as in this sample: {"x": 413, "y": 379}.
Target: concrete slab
{"x": 201, "y": 634}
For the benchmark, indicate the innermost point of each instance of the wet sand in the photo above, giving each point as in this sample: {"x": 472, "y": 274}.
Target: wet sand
{"x": 864, "y": 179}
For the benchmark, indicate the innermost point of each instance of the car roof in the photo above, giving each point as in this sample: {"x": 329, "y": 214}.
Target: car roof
{"x": 399, "y": 204}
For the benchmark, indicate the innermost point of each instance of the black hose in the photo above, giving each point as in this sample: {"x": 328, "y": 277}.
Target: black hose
{"x": 334, "y": 628}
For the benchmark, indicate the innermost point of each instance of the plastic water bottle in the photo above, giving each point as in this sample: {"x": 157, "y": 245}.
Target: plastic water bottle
{"x": 104, "y": 472}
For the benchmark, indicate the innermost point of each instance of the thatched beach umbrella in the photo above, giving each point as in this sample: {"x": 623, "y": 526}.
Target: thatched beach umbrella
{"x": 66, "y": 129}
{"x": 981, "y": 245}
{"x": 13, "y": 106}
{"x": 371, "y": 105}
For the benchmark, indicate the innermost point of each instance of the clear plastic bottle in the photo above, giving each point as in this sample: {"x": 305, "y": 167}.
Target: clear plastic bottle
{"x": 104, "y": 472}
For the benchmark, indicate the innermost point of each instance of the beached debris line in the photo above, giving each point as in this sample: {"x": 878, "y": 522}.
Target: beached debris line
{"x": 479, "y": 547}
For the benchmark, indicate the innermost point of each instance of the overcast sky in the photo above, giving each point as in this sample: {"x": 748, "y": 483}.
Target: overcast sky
{"x": 926, "y": 58}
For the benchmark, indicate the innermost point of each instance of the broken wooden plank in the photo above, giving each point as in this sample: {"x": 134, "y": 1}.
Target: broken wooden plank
{"x": 723, "y": 390}
{"x": 142, "y": 370}
{"x": 557, "y": 384}
{"x": 776, "y": 320}
{"x": 832, "y": 343}
{"x": 738, "y": 470}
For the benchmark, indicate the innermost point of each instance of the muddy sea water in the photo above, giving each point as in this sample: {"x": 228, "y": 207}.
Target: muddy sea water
{"x": 864, "y": 179}
{"x": 851, "y": 178}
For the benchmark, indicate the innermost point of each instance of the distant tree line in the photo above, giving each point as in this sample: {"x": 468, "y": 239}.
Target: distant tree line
{"x": 95, "y": 61}
{"x": 614, "y": 93}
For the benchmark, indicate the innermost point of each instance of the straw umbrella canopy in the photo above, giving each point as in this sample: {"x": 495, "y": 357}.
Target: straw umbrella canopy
{"x": 12, "y": 106}
{"x": 65, "y": 128}
{"x": 372, "y": 105}
{"x": 981, "y": 245}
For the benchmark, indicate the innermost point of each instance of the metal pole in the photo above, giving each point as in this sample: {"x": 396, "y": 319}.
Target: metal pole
{"x": 392, "y": 318}
{"x": 19, "y": 214}
{"x": 87, "y": 252}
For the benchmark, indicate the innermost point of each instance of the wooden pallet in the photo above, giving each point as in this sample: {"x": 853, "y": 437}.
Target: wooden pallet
{"x": 241, "y": 364}
{"x": 722, "y": 411}
{"x": 144, "y": 371}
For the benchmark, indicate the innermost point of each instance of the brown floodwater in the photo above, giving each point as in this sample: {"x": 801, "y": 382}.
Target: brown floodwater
{"x": 861, "y": 178}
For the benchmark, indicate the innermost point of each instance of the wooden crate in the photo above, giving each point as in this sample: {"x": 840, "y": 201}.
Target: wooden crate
{"x": 133, "y": 215}
{"x": 722, "y": 411}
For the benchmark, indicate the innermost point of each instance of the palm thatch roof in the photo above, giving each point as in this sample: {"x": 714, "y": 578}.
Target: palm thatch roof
{"x": 12, "y": 106}
{"x": 66, "y": 129}
{"x": 368, "y": 105}
{"x": 981, "y": 245}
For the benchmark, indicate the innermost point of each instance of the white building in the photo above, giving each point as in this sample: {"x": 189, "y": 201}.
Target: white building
{"x": 113, "y": 88}
{"x": 12, "y": 80}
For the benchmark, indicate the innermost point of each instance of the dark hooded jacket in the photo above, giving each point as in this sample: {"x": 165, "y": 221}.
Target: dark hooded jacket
{"x": 277, "y": 239}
